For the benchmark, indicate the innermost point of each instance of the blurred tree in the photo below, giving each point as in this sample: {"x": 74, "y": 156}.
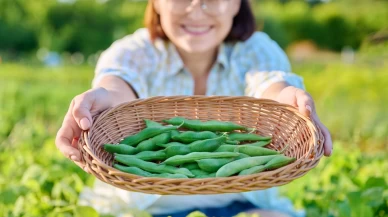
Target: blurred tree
{"x": 88, "y": 26}
{"x": 84, "y": 26}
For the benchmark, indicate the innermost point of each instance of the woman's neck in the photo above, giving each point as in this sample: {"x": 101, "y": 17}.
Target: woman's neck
{"x": 198, "y": 64}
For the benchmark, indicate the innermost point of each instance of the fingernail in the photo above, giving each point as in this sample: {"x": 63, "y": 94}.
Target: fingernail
{"x": 74, "y": 158}
{"x": 308, "y": 108}
{"x": 84, "y": 123}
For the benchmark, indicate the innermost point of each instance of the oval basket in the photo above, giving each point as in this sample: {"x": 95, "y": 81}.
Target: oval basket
{"x": 283, "y": 122}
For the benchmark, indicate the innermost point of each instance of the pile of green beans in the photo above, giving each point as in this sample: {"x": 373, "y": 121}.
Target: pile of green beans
{"x": 195, "y": 149}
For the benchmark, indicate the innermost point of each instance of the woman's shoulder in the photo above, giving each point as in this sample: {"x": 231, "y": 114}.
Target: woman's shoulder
{"x": 139, "y": 39}
{"x": 260, "y": 52}
{"x": 258, "y": 38}
{"x": 137, "y": 45}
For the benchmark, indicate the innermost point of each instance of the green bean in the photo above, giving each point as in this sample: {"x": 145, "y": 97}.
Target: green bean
{"x": 169, "y": 176}
{"x": 227, "y": 148}
{"x": 247, "y": 137}
{"x": 170, "y": 144}
{"x": 207, "y": 145}
{"x": 177, "y": 150}
{"x": 252, "y": 170}
{"x": 152, "y": 143}
{"x": 150, "y": 123}
{"x": 259, "y": 143}
{"x": 190, "y": 166}
{"x": 232, "y": 142}
{"x": 174, "y": 133}
{"x": 198, "y": 125}
{"x": 151, "y": 167}
{"x": 191, "y": 136}
{"x": 140, "y": 172}
{"x": 242, "y": 164}
{"x": 198, "y": 172}
{"x": 210, "y": 175}
{"x": 151, "y": 155}
{"x": 212, "y": 165}
{"x": 278, "y": 161}
{"x": 241, "y": 156}
{"x": 132, "y": 170}
{"x": 192, "y": 157}
{"x": 120, "y": 149}
{"x": 146, "y": 134}
{"x": 255, "y": 151}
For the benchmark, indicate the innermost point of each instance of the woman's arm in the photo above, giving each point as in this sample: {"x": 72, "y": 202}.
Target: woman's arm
{"x": 274, "y": 89}
{"x": 285, "y": 93}
{"x": 109, "y": 91}
{"x": 119, "y": 90}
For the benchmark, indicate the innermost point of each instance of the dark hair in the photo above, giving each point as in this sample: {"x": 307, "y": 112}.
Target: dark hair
{"x": 243, "y": 23}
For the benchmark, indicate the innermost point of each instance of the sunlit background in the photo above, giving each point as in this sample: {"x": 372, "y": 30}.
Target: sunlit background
{"x": 48, "y": 50}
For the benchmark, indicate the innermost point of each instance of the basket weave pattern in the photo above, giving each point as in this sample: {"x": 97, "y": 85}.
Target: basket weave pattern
{"x": 282, "y": 122}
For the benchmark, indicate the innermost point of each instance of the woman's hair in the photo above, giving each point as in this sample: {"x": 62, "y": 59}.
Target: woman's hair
{"x": 243, "y": 23}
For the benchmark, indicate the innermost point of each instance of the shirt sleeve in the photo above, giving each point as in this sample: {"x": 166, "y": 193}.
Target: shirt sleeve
{"x": 268, "y": 64}
{"x": 129, "y": 58}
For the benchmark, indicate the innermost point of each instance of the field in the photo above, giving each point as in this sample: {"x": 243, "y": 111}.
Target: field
{"x": 352, "y": 100}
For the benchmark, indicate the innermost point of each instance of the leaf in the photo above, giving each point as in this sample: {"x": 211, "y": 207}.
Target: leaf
{"x": 34, "y": 172}
{"x": 362, "y": 211}
{"x": 69, "y": 193}
{"x": 354, "y": 199}
{"x": 8, "y": 196}
{"x": 78, "y": 184}
{"x": 18, "y": 208}
{"x": 57, "y": 190}
{"x": 83, "y": 211}
{"x": 343, "y": 209}
{"x": 373, "y": 196}
{"x": 375, "y": 182}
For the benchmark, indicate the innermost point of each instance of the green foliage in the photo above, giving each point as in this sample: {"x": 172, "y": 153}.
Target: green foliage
{"x": 17, "y": 37}
{"x": 331, "y": 26}
{"x": 88, "y": 26}
{"x": 36, "y": 180}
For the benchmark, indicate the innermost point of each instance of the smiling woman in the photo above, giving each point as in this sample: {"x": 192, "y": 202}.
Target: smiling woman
{"x": 243, "y": 25}
{"x": 190, "y": 47}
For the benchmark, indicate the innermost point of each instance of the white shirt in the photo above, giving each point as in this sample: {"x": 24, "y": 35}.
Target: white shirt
{"x": 156, "y": 69}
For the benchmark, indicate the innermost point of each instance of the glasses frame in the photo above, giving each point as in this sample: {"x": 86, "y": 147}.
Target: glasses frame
{"x": 203, "y": 6}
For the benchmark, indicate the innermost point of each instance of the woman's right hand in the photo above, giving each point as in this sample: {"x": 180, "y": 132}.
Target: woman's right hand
{"x": 78, "y": 118}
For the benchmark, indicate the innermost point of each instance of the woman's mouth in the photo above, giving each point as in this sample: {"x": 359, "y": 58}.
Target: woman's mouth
{"x": 196, "y": 30}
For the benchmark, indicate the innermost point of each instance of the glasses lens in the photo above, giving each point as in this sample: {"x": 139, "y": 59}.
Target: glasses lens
{"x": 211, "y": 7}
{"x": 178, "y": 6}
{"x": 215, "y": 7}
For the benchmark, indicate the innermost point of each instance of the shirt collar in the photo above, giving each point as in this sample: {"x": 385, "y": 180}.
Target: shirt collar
{"x": 175, "y": 63}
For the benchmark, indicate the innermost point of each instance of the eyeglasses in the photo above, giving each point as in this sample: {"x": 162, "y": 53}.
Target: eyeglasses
{"x": 211, "y": 7}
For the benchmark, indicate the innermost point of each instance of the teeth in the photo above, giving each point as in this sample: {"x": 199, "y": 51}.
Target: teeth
{"x": 197, "y": 29}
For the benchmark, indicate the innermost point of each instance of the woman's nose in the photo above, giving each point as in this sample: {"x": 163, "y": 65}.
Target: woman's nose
{"x": 196, "y": 9}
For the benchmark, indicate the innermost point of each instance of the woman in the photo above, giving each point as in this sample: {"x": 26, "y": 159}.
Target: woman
{"x": 200, "y": 47}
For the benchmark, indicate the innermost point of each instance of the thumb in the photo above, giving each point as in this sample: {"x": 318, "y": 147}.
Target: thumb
{"x": 81, "y": 110}
{"x": 305, "y": 103}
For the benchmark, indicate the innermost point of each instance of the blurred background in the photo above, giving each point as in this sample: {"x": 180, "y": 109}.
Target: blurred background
{"x": 48, "y": 50}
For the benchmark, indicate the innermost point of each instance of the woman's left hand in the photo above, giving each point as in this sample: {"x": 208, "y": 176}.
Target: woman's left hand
{"x": 305, "y": 104}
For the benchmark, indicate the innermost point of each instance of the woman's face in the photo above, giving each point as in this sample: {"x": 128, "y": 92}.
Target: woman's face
{"x": 197, "y": 26}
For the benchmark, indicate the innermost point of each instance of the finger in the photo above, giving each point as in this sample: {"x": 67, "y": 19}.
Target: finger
{"x": 66, "y": 134}
{"x": 64, "y": 142}
{"x": 76, "y": 160}
{"x": 328, "y": 143}
{"x": 81, "y": 110}
{"x": 305, "y": 103}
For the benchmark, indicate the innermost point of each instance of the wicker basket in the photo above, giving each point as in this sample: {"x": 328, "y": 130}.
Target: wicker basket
{"x": 283, "y": 122}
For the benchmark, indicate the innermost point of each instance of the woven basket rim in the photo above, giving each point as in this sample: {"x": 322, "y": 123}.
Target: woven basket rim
{"x": 313, "y": 155}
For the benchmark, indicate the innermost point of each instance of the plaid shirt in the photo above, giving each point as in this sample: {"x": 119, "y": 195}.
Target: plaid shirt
{"x": 156, "y": 69}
